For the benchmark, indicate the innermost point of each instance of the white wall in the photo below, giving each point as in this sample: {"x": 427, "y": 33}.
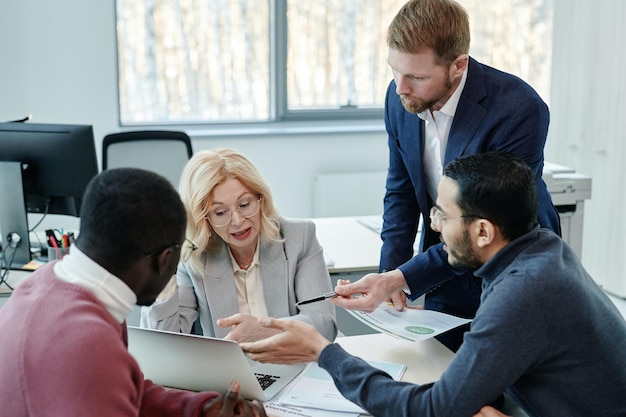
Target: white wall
{"x": 58, "y": 63}
{"x": 588, "y": 126}
{"x": 289, "y": 163}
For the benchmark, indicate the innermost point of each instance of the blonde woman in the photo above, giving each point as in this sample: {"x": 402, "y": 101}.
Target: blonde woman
{"x": 251, "y": 262}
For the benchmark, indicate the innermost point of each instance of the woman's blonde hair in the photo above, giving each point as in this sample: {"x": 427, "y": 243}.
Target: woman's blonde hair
{"x": 202, "y": 173}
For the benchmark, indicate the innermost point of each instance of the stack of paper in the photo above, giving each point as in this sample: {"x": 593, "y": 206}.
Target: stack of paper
{"x": 315, "y": 389}
{"x": 410, "y": 324}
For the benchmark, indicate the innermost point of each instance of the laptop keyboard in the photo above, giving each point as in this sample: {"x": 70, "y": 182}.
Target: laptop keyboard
{"x": 266, "y": 380}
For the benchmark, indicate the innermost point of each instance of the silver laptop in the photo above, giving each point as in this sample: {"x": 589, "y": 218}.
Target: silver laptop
{"x": 200, "y": 363}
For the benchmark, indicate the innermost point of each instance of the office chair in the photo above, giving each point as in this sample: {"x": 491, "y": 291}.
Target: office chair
{"x": 163, "y": 152}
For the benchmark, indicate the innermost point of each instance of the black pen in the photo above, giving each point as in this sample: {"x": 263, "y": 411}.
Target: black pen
{"x": 320, "y": 298}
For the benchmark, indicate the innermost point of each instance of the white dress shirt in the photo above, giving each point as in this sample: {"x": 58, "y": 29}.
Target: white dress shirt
{"x": 437, "y": 130}
{"x": 249, "y": 286}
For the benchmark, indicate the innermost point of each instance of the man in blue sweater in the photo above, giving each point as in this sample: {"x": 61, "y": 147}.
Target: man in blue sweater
{"x": 544, "y": 332}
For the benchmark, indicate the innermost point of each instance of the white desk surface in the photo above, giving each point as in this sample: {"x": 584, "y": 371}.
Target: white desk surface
{"x": 15, "y": 277}
{"x": 351, "y": 246}
{"x": 425, "y": 360}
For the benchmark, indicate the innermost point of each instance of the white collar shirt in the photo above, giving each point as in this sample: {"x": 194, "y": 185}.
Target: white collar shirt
{"x": 77, "y": 268}
{"x": 437, "y": 129}
{"x": 250, "y": 296}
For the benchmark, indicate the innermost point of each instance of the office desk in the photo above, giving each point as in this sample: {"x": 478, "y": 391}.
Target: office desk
{"x": 349, "y": 246}
{"x": 425, "y": 361}
{"x": 352, "y": 244}
{"x": 15, "y": 278}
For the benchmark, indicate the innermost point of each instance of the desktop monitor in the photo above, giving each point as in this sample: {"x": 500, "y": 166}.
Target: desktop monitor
{"x": 44, "y": 168}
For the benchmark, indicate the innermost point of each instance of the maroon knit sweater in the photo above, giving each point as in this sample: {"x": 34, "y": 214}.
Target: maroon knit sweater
{"x": 63, "y": 354}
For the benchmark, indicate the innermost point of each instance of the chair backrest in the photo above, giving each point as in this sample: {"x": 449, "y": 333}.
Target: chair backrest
{"x": 164, "y": 152}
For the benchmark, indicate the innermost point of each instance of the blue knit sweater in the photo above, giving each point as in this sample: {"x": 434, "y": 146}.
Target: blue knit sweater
{"x": 544, "y": 331}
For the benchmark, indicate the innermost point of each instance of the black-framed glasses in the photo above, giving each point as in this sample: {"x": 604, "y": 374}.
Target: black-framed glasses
{"x": 186, "y": 249}
{"x": 437, "y": 216}
{"x": 246, "y": 208}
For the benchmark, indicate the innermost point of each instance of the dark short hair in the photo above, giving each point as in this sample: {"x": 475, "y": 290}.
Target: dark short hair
{"x": 499, "y": 187}
{"x": 127, "y": 213}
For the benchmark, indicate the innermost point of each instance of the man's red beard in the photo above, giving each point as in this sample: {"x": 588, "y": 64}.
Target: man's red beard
{"x": 426, "y": 105}
{"x": 415, "y": 107}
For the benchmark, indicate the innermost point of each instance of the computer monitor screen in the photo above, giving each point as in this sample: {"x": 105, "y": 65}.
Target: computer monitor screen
{"x": 56, "y": 162}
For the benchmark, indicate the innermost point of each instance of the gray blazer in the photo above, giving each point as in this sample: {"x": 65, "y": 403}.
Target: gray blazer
{"x": 291, "y": 270}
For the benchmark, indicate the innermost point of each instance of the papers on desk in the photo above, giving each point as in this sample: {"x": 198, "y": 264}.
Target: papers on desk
{"x": 277, "y": 409}
{"x": 411, "y": 324}
{"x": 315, "y": 389}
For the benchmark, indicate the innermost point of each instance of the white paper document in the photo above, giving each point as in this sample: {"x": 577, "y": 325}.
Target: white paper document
{"x": 278, "y": 409}
{"x": 315, "y": 389}
{"x": 411, "y": 324}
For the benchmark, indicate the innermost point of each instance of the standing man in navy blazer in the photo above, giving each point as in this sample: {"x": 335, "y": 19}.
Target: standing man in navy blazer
{"x": 440, "y": 105}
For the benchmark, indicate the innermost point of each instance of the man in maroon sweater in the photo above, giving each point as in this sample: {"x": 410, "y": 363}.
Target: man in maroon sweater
{"x": 63, "y": 338}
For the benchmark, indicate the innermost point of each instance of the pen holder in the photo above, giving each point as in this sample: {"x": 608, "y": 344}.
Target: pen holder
{"x": 57, "y": 253}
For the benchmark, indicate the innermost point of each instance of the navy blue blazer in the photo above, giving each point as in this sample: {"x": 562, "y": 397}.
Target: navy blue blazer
{"x": 496, "y": 112}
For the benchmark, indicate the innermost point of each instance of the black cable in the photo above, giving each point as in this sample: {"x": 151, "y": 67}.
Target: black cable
{"x": 7, "y": 266}
{"x": 32, "y": 231}
{"x": 43, "y": 216}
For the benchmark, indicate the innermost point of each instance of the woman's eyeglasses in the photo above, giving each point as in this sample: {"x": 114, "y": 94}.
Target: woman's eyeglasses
{"x": 246, "y": 208}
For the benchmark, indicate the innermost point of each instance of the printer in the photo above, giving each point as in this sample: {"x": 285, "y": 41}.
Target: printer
{"x": 568, "y": 190}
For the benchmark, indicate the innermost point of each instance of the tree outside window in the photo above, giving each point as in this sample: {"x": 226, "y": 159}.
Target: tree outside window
{"x": 223, "y": 61}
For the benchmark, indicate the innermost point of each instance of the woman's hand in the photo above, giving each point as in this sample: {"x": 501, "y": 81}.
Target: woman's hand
{"x": 246, "y": 328}
{"x": 295, "y": 342}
